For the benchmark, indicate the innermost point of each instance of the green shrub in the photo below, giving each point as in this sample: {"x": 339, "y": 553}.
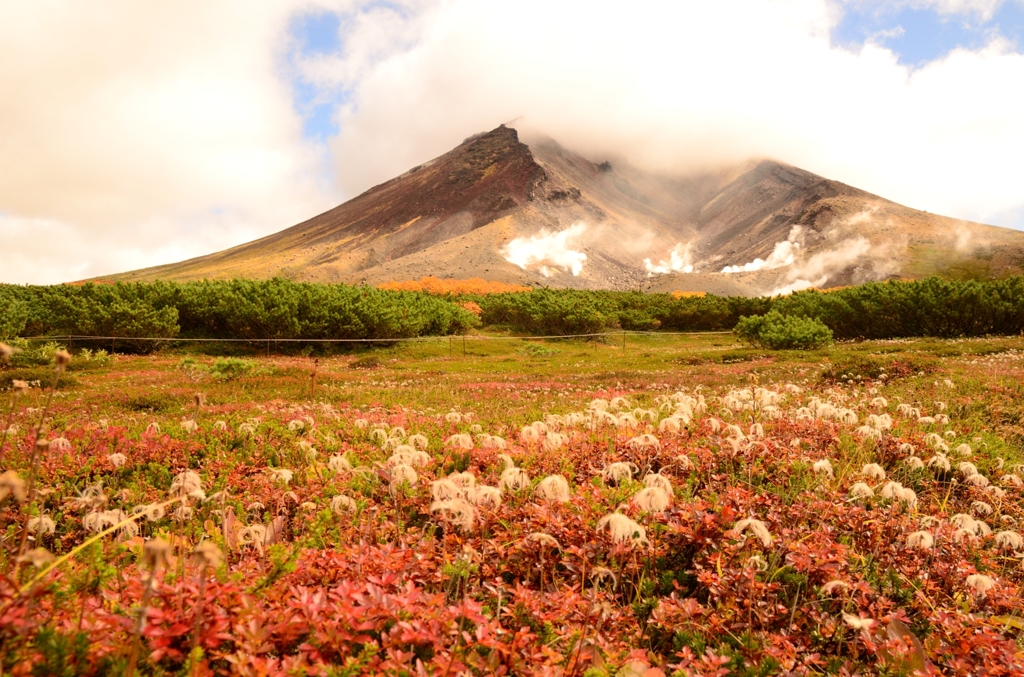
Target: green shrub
{"x": 33, "y": 354}
{"x": 776, "y": 331}
{"x": 37, "y": 377}
{"x": 538, "y": 350}
{"x": 233, "y": 368}
{"x": 13, "y": 314}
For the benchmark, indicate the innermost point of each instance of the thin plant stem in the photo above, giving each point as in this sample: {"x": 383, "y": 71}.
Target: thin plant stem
{"x": 140, "y": 624}
{"x": 197, "y": 626}
{"x": 30, "y": 499}
{"x": 7, "y": 424}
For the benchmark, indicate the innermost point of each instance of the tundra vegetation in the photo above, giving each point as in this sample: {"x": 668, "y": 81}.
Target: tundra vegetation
{"x": 680, "y": 505}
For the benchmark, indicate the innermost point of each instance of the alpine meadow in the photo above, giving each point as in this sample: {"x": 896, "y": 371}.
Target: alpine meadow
{"x": 438, "y": 338}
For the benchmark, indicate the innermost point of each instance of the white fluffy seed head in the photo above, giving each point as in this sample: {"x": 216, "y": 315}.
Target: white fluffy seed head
{"x": 644, "y": 442}
{"x": 873, "y": 471}
{"x": 281, "y": 475}
{"x": 460, "y": 441}
{"x": 339, "y": 464}
{"x": 861, "y": 491}
{"x": 185, "y": 483}
{"x": 463, "y": 479}
{"x": 545, "y": 540}
{"x": 456, "y": 511}
{"x": 554, "y": 441}
{"x": 658, "y": 480}
{"x": 513, "y": 479}
{"x": 831, "y": 586}
{"x": 622, "y": 528}
{"x": 484, "y": 496}
{"x": 980, "y": 584}
{"x": 616, "y": 472}
{"x": 445, "y": 489}
{"x": 670, "y": 425}
{"x": 553, "y": 488}
{"x": 529, "y": 435}
{"x": 341, "y": 504}
{"x": 757, "y": 528}
{"x": 1009, "y": 541}
{"x": 858, "y": 623}
{"x": 977, "y": 480}
{"x": 652, "y": 499}
{"x": 403, "y": 473}
{"x": 823, "y": 467}
{"x": 981, "y": 508}
{"x": 920, "y": 539}
{"x": 42, "y": 525}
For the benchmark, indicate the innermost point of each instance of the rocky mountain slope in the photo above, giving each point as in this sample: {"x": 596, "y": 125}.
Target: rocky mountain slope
{"x": 499, "y": 209}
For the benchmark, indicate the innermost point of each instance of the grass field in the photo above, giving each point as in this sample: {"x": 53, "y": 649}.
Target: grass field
{"x": 675, "y": 505}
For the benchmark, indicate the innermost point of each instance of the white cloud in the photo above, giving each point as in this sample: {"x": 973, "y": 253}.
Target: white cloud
{"x": 139, "y": 133}
{"x": 977, "y": 10}
{"x": 982, "y": 9}
{"x": 688, "y": 85}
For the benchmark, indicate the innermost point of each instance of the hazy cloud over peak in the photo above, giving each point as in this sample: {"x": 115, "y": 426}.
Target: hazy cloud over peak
{"x": 142, "y": 133}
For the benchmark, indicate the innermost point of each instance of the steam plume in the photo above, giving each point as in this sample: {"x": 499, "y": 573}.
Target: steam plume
{"x": 784, "y": 254}
{"x": 680, "y": 261}
{"x": 547, "y": 251}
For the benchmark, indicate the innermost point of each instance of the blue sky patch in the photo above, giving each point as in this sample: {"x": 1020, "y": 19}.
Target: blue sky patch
{"x": 918, "y": 36}
{"x": 318, "y": 33}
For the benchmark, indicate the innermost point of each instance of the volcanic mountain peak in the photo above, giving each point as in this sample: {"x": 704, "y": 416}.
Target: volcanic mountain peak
{"x": 496, "y": 208}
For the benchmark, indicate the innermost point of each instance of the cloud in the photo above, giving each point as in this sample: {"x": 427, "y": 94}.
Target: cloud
{"x": 982, "y": 9}
{"x": 977, "y": 10}
{"x": 686, "y": 86}
{"x": 138, "y": 133}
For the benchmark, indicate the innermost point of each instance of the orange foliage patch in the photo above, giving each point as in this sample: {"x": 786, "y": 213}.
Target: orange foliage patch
{"x": 472, "y": 307}
{"x": 435, "y": 285}
{"x": 688, "y": 294}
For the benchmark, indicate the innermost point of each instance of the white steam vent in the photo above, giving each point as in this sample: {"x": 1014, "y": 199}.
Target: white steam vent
{"x": 784, "y": 254}
{"x": 680, "y": 260}
{"x": 547, "y": 251}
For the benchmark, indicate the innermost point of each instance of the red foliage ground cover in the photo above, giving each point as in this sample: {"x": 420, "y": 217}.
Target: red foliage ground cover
{"x": 762, "y": 562}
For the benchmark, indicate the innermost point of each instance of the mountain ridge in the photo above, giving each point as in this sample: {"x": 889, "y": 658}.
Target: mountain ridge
{"x": 539, "y": 214}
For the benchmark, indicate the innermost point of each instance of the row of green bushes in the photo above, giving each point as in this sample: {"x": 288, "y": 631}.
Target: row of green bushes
{"x": 570, "y": 311}
{"x": 278, "y": 309}
{"x": 242, "y": 309}
{"x": 930, "y": 307}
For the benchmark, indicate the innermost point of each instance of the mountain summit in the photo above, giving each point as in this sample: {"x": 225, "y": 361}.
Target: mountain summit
{"x": 540, "y": 214}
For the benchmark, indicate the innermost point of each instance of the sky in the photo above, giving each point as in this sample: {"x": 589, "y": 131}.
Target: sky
{"x": 134, "y": 134}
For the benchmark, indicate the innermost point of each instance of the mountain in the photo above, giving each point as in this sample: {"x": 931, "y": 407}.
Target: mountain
{"x": 497, "y": 208}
